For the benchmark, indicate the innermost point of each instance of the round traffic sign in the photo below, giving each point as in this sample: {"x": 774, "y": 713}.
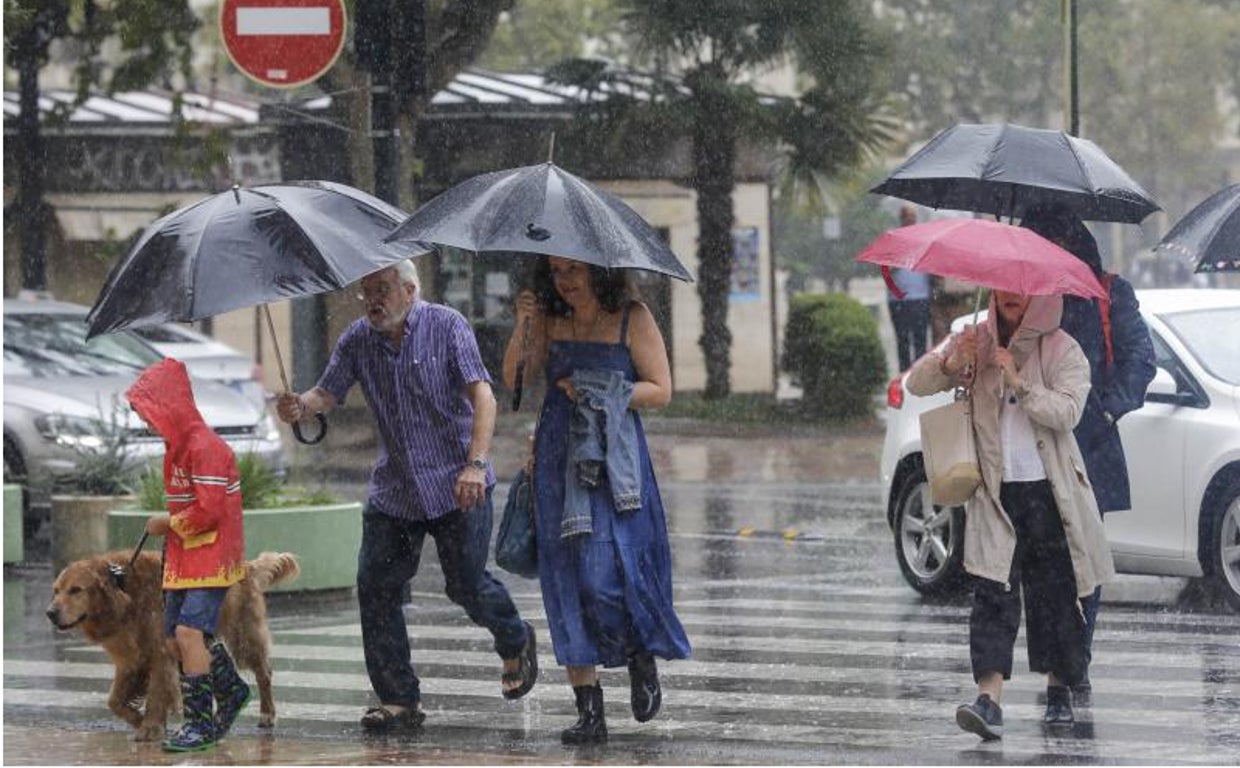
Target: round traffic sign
{"x": 283, "y": 43}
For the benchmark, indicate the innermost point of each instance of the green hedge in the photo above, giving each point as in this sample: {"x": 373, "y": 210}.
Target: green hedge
{"x": 832, "y": 349}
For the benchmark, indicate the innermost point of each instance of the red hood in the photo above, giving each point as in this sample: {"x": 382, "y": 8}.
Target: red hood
{"x": 162, "y": 395}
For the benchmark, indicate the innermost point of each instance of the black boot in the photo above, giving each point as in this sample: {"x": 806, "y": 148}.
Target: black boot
{"x": 645, "y": 693}
{"x": 231, "y": 692}
{"x": 1058, "y": 706}
{"x": 590, "y": 726}
{"x": 198, "y": 721}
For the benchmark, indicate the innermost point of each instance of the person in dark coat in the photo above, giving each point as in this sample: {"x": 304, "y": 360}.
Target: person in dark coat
{"x": 1118, "y": 375}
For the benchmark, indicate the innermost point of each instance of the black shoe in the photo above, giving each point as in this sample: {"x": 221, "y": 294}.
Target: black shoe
{"x": 983, "y": 717}
{"x": 382, "y": 720}
{"x": 1083, "y": 694}
{"x": 590, "y": 727}
{"x": 645, "y": 693}
{"x": 1058, "y": 706}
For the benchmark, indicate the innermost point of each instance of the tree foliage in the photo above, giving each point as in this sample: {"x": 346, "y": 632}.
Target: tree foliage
{"x": 705, "y": 54}
{"x": 536, "y": 34}
{"x": 1158, "y": 79}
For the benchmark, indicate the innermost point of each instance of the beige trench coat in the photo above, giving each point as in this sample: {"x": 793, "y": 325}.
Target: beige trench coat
{"x": 1056, "y": 374}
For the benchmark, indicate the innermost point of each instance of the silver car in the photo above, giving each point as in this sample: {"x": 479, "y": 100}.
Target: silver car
{"x": 58, "y": 389}
{"x": 207, "y": 358}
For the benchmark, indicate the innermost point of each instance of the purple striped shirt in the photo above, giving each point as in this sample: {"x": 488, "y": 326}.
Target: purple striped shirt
{"x": 419, "y": 397}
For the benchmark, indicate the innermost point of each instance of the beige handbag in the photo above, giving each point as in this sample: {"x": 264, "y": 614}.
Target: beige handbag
{"x": 950, "y": 452}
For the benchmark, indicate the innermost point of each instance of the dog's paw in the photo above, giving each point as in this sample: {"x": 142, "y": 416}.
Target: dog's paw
{"x": 266, "y": 720}
{"x": 153, "y": 732}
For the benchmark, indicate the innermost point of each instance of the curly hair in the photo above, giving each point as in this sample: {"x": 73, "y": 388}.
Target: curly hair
{"x": 612, "y": 288}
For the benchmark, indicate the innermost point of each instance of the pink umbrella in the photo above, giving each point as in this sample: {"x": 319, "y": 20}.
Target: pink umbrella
{"x": 985, "y": 253}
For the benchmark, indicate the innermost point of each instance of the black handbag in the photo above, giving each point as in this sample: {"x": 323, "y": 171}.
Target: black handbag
{"x": 516, "y": 549}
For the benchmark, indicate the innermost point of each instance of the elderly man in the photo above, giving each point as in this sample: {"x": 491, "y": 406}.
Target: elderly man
{"x": 420, "y": 371}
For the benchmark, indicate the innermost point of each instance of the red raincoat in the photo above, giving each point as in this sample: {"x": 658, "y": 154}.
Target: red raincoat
{"x": 206, "y": 547}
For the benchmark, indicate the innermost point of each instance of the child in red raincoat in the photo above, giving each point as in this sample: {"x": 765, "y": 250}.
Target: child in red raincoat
{"x": 204, "y": 553}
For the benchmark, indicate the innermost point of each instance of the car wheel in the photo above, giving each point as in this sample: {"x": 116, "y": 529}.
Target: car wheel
{"x": 929, "y": 540}
{"x": 1225, "y": 542}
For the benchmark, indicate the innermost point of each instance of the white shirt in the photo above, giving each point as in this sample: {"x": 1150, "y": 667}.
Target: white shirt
{"x": 1021, "y": 462}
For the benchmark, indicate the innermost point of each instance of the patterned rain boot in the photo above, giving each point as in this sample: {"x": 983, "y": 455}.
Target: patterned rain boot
{"x": 198, "y": 724}
{"x": 590, "y": 726}
{"x": 231, "y": 692}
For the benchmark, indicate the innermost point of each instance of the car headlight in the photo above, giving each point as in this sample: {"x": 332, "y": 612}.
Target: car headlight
{"x": 73, "y": 431}
{"x": 269, "y": 429}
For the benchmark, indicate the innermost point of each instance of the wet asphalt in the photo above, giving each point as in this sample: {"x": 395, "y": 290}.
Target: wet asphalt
{"x": 808, "y": 646}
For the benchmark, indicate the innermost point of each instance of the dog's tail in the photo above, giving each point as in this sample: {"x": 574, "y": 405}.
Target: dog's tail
{"x": 271, "y": 569}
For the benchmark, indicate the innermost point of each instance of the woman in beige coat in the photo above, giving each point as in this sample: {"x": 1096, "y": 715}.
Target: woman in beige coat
{"x": 1033, "y": 523}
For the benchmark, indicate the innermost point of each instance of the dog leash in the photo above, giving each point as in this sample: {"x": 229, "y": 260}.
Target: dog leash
{"x": 118, "y": 572}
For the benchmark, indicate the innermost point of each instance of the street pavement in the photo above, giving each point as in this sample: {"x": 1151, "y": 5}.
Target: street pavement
{"x": 808, "y": 649}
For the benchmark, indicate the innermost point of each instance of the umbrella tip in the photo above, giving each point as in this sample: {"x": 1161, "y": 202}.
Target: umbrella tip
{"x": 236, "y": 189}
{"x": 551, "y": 149}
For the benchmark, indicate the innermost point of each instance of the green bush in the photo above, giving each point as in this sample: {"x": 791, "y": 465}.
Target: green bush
{"x": 832, "y": 350}
{"x": 260, "y": 488}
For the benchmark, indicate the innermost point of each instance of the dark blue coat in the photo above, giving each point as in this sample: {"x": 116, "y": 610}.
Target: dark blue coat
{"x": 1117, "y": 388}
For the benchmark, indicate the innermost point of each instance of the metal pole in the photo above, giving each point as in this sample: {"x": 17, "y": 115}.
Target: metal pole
{"x": 383, "y": 130}
{"x": 1071, "y": 69}
{"x": 30, "y": 163}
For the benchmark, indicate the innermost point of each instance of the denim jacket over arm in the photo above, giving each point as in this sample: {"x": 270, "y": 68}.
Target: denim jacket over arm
{"x": 602, "y": 436}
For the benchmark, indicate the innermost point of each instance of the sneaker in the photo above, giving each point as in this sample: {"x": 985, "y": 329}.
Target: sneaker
{"x": 983, "y": 717}
{"x": 1058, "y": 706}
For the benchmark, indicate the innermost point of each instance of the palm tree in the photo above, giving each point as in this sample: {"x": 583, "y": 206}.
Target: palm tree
{"x": 703, "y": 51}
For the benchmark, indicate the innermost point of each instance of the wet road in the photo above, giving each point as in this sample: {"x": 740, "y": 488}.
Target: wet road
{"x": 808, "y": 648}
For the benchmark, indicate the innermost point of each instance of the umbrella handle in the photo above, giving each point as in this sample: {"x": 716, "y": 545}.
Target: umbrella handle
{"x": 317, "y": 438}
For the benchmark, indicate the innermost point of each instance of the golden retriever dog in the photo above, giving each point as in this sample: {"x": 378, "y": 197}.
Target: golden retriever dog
{"x": 128, "y": 624}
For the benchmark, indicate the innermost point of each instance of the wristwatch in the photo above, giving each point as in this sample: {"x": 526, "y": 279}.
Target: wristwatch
{"x": 478, "y": 463}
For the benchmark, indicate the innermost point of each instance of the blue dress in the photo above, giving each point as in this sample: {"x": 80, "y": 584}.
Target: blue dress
{"x": 609, "y": 593}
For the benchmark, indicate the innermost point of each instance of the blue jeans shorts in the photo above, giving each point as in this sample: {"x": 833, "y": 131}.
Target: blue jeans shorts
{"x": 195, "y": 608}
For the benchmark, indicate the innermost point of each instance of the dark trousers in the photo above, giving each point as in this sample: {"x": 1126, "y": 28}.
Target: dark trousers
{"x": 1042, "y": 569}
{"x": 1090, "y": 606}
{"x": 389, "y": 557}
{"x": 911, "y": 318}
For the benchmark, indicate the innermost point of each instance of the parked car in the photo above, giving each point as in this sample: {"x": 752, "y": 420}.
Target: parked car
{"x": 207, "y": 358}
{"x": 59, "y": 391}
{"x": 1182, "y": 446}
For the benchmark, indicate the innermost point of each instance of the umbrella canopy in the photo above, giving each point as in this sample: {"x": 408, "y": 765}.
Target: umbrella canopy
{"x": 245, "y": 247}
{"x": 1210, "y": 233}
{"x": 985, "y": 253}
{"x": 1005, "y": 169}
{"x": 545, "y": 210}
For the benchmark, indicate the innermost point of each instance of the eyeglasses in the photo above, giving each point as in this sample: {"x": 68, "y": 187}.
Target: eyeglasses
{"x": 380, "y": 292}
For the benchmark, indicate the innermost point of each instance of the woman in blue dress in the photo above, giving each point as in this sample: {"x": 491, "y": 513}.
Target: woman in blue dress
{"x": 606, "y": 573}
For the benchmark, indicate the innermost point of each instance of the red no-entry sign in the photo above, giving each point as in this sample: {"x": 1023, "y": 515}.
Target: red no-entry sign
{"x": 283, "y": 43}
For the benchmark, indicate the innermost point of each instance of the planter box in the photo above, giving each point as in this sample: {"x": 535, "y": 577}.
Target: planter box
{"x": 324, "y": 538}
{"x": 80, "y": 526}
{"x": 13, "y": 549}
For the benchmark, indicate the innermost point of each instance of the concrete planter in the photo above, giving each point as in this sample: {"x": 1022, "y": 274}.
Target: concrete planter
{"x": 14, "y": 551}
{"x": 325, "y": 539}
{"x": 80, "y": 526}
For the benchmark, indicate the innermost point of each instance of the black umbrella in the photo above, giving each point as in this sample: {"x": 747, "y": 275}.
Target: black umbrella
{"x": 541, "y": 209}
{"x": 1005, "y": 169}
{"x": 245, "y": 247}
{"x": 1210, "y": 233}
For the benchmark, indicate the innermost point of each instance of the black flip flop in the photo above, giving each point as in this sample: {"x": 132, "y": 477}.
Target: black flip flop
{"x": 527, "y": 669}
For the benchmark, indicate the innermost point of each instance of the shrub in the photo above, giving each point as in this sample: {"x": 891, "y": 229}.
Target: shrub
{"x": 260, "y": 488}
{"x": 832, "y": 349}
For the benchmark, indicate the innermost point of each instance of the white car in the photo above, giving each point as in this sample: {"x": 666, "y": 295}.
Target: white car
{"x": 207, "y": 358}
{"x": 1182, "y": 447}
